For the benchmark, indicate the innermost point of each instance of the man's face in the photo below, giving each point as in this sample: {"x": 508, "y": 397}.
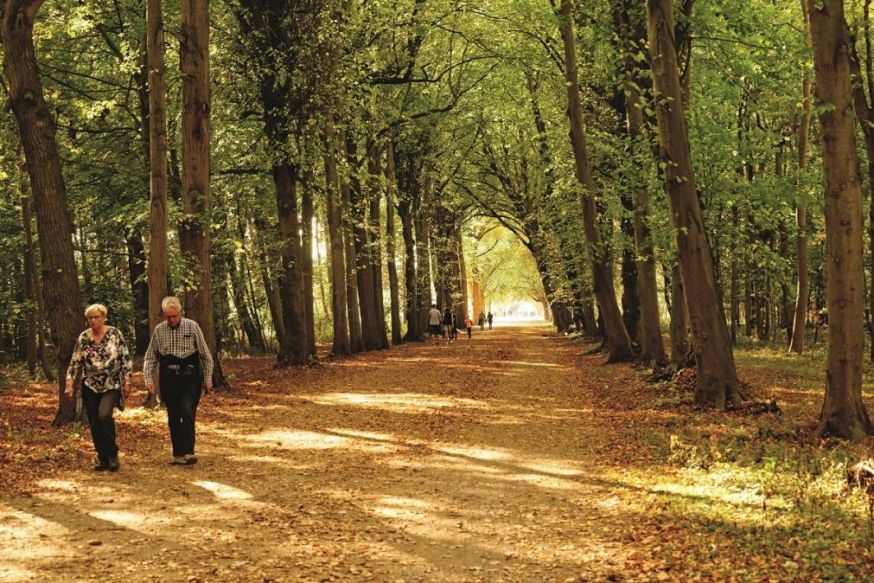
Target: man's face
{"x": 173, "y": 316}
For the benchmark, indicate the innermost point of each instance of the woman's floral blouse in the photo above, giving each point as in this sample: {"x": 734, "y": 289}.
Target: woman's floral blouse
{"x": 104, "y": 365}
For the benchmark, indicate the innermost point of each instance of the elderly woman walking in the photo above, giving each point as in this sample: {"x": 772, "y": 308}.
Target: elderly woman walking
{"x": 101, "y": 366}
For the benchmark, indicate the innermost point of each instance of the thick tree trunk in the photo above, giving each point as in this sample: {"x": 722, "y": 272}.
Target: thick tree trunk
{"x": 616, "y": 336}
{"x": 194, "y": 240}
{"x": 374, "y": 170}
{"x": 341, "y": 344}
{"x": 37, "y": 131}
{"x": 364, "y": 278}
{"x": 390, "y": 245}
{"x": 632, "y": 33}
{"x": 865, "y": 117}
{"x": 718, "y": 385}
{"x": 843, "y": 412}
{"x": 157, "y": 136}
{"x": 296, "y": 348}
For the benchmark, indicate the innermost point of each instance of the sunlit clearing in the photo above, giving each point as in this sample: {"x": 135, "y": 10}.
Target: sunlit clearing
{"x": 222, "y": 491}
{"x": 22, "y": 524}
{"x": 363, "y": 434}
{"x": 710, "y": 494}
{"x": 525, "y": 363}
{"x": 270, "y": 459}
{"x": 405, "y": 509}
{"x": 297, "y": 439}
{"x": 476, "y": 453}
{"x": 400, "y": 402}
{"x": 130, "y": 520}
{"x": 64, "y": 485}
{"x": 551, "y": 468}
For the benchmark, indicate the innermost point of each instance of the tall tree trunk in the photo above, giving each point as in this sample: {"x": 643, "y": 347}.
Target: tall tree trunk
{"x": 390, "y": 245}
{"x": 681, "y": 351}
{"x": 31, "y": 348}
{"x": 307, "y": 215}
{"x": 462, "y": 277}
{"x": 717, "y": 384}
{"x": 157, "y": 136}
{"x": 374, "y": 170}
{"x": 296, "y": 348}
{"x": 353, "y": 309}
{"x": 363, "y": 268}
{"x": 843, "y": 412}
{"x": 865, "y": 117}
{"x": 36, "y": 129}
{"x": 341, "y": 344}
{"x": 271, "y": 286}
{"x": 632, "y": 32}
{"x": 194, "y": 240}
{"x": 615, "y": 334}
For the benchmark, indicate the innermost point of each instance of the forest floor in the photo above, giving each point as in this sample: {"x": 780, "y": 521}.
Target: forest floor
{"x": 515, "y": 456}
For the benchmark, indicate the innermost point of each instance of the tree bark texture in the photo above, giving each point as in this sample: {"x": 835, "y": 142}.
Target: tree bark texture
{"x": 158, "y": 148}
{"x": 631, "y": 30}
{"x": 717, "y": 384}
{"x": 333, "y": 208}
{"x": 194, "y": 239}
{"x": 616, "y": 336}
{"x": 36, "y": 129}
{"x": 391, "y": 245}
{"x": 843, "y": 412}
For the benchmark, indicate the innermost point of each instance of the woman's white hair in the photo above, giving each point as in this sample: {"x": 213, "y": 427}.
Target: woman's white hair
{"x": 171, "y": 302}
{"x": 99, "y": 308}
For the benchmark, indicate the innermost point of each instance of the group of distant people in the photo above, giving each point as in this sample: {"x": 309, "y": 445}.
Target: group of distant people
{"x": 445, "y": 323}
{"x": 100, "y": 370}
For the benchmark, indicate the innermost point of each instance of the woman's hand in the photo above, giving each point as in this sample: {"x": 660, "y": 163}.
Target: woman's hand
{"x": 68, "y": 390}
{"x": 126, "y": 388}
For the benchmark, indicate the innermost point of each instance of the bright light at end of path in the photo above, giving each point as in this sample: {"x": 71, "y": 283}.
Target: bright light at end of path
{"x": 223, "y": 491}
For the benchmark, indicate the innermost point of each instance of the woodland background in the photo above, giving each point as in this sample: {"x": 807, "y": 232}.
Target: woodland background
{"x": 326, "y": 169}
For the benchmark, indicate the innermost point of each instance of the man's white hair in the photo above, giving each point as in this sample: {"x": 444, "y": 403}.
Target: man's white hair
{"x": 171, "y": 302}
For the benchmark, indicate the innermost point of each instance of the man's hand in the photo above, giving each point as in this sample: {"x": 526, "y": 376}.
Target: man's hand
{"x": 68, "y": 390}
{"x": 151, "y": 389}
{"x": 207, "y": 387}
{"x": 126, "y": 388}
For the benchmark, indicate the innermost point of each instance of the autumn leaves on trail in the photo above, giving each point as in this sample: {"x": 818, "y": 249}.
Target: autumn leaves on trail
{"x": 509, "y": 457}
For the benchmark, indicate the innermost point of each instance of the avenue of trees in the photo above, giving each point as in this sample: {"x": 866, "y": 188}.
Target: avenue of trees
{"x": 325, "y": 170}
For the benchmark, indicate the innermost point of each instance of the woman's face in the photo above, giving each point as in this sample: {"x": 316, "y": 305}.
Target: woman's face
{"x": 96, "y": 320}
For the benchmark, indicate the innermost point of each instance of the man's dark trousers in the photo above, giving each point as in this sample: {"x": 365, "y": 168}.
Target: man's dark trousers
{"x": 181, "y": 395}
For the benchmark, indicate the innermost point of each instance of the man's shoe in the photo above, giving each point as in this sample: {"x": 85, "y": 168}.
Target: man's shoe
{"x": 114, "y": 465}
{"x": 101, "y": 465}
{"x": 178, "y": 460}
{"x": 190, "y": 459}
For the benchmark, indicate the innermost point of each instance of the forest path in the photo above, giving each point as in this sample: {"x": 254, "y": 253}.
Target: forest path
{"x": 485, "y": 459}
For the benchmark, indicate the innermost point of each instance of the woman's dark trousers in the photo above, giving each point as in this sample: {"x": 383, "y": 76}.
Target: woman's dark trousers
{"x": 181, "y": 395}
{"x": 99, "y": 407}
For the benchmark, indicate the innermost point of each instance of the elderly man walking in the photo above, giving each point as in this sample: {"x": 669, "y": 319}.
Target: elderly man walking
{"x": 179, "y": 350}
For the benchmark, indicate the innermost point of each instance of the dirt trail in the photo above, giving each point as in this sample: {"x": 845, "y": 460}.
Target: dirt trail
{"x": 479, "y": 460}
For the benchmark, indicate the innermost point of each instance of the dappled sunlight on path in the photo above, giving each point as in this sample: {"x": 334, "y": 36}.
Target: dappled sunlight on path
{"x": 495, "y": 459}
